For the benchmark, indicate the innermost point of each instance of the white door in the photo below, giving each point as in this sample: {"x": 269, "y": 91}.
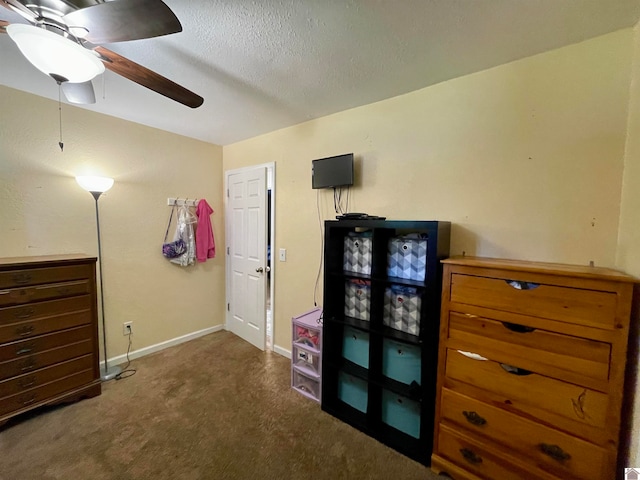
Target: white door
{"x": 247, "y": 202}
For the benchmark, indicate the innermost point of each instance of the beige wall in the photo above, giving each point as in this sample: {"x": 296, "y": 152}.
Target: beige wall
{"x": 44, "y": 211}
{"x": 628, "y": 255}
{"x": 525, "y": 160}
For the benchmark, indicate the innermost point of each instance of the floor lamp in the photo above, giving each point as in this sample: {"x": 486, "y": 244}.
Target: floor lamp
{"x": 97, "y": 186}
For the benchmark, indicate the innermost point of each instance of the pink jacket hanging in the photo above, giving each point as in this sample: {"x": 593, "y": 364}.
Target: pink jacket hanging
{"x": 205, "y": 243}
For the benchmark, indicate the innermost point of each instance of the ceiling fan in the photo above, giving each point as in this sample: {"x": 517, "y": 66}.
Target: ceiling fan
{"x": 63, "y": 37}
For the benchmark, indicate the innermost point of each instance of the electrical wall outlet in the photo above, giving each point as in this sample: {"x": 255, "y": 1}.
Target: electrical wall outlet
{"x": 127, "y": 328}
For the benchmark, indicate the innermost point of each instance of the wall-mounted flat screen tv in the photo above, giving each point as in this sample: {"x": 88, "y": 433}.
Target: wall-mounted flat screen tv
{"x": 332, "y": 171}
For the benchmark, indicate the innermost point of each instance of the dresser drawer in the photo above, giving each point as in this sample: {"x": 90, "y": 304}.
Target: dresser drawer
{"x": 44, "y": 376}
{"x": 42, "y": 343}
{"x": 549, "y": 400}
{"x": 573, "y": 359}
{"x": 27, "y": 399}
{"x": 479, "y": 459}
{"x": 31, "y": 328}
{"x": 565, "y": 455}
{"x": 35, "y": 311}
{"x": 30, "y": 363}
{"x": 16, "y": 296}
{"x": 17, "y": 323}
{"x": 572, "y": 305}
{"x": 36, "y": 276}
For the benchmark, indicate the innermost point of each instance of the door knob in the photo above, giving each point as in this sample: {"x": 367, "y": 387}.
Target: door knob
{"x": 259, "y": 269}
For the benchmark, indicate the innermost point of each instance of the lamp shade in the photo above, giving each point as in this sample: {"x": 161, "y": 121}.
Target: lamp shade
{"x": 95, "y": 184}
{"x": 54, "y": 54}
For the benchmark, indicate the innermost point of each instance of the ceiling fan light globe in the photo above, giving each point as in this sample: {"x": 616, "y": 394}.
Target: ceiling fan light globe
{"x": 53, "y": 54}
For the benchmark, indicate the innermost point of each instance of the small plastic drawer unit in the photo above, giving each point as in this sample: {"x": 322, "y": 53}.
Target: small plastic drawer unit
{"x": 306, "y": 385}
{"x": 306, "y": 354}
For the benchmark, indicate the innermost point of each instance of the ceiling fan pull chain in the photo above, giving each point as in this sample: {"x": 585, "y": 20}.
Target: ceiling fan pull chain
{"x": 60, "y": 116}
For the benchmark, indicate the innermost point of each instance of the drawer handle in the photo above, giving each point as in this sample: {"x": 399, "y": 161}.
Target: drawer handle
{"x": 28, "y": 400}
{"x": 471, "y": 355}
{"x": 516, "y": 327}
{"x": 28, "y": 365}
{"x": 21, "y": 278}
{"x": 555, "y": 452}
{"x": 515, "y": 370}
{"x": 27, "y": 382}
{"x": 578, "y": 405}
{"x": 470, "y": 456}
{"x": 473, "y": 418}
{"x": 25, "y": 349}
{"x": 25, "y": 292}
{"x": 24, "y": 313}
{"x": 24, "y": 330}
{"x": 518, "y": 285}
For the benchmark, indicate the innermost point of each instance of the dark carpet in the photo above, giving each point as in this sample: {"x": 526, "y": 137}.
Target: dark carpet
{"x": 212, "y": 408}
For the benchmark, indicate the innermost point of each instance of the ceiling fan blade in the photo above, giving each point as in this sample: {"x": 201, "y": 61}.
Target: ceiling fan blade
{"x": 123, "y": 20}
{"x": 79, "y": 93}
{"x": 148, "y": 78}
{"x": 20, "y": 9}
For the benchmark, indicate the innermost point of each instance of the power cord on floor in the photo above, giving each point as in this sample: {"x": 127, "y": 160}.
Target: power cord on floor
{"x": 126, "y": 371}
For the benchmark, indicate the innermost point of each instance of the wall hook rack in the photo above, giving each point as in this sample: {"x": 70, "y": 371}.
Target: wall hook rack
{"x": 178, "y": 202}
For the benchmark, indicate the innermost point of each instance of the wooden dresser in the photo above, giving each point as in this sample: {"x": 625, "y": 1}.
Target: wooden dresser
{"x": 531, "y": 370}
{"x": 48, "y": 332}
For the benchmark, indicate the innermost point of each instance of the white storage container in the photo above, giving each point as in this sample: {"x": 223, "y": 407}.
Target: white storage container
{"x": 357, "y": 299}
{"x": 402, "y": 309}
{"x": 407, "y": 258}
{"x": 357, "y": 254}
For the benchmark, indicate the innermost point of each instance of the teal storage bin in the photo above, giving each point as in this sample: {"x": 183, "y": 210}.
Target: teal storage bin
{"x": 355, "y": 346}
{"x": 401, "y": 413}
{"x": 401, "y": 361}
{"x": 353, "y": 391}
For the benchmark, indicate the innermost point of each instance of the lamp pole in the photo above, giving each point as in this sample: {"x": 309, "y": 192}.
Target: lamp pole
{"x": 109, "y": 373}
{"x": 97, "y": 186}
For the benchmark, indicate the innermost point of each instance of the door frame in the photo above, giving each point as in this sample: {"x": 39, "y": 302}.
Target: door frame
{"x": 271, "y": 185}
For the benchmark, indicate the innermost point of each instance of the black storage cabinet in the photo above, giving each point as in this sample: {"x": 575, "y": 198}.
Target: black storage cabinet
{"x": 356, "y": 389}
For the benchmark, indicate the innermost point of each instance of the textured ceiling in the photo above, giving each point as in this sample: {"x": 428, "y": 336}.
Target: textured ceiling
{"x": 267, "y": 64}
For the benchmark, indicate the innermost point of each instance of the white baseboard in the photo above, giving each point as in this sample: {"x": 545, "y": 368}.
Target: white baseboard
{"x": 282, "y": 351}
{"x": 162, "y": 345}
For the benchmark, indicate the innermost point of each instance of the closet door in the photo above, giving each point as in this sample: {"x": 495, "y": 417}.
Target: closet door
{"x": 247, "y": 255}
